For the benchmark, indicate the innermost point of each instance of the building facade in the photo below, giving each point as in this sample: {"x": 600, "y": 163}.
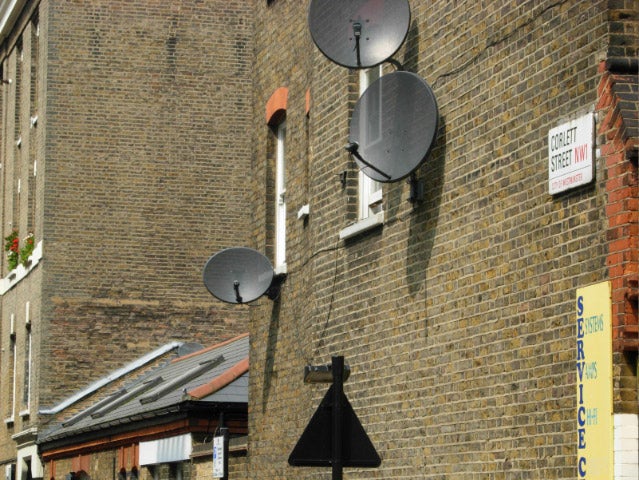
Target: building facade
{"x": 123, "y": 169}
{"x": 464, "y": 315}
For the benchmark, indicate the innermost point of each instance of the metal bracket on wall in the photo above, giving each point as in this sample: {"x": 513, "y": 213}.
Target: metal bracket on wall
{"x": 416, "y": 189}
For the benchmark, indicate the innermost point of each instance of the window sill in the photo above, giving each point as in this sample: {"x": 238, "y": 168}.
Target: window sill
{"x": 24, "y": 413}
{"x": 9, "y": 421}
{"x": 362, "y": 226}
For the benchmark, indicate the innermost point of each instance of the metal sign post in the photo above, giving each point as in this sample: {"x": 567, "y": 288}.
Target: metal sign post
{"x": 337, "y": 365}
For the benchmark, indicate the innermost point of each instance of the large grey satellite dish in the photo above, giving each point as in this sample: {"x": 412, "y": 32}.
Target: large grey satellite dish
{"x": 238, "y": 275}
{"x": 359, "y": 33}
{"x": 393, "y": 126}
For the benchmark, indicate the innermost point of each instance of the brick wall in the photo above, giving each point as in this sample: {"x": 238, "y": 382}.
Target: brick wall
{"x": 145, "y": 168}
{"x": 202, "y": 467}
{"x": 623, "y": 43}
{"x": 457, "y": 316}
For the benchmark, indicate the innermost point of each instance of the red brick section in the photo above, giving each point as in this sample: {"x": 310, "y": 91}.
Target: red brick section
{"x": 617, "y": 107}
{"x": 276, "y": 106}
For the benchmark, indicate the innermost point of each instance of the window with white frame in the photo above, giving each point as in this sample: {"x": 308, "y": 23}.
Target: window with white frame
{"x": 26, "y": 387}
{"x": 12, "y": 368}
{"x": 370, "y": 191}
{"x": 280, "y": 197}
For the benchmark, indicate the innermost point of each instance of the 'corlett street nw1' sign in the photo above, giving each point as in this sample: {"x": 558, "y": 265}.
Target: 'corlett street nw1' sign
{"x": 570, "y": 154}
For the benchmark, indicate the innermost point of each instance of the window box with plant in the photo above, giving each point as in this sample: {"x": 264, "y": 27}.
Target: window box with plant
{"x": 16, "y": 255}
{"x": 12, "y": 247}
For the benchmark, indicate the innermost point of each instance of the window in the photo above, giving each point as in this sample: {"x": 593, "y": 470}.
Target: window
{"x": 369, "y": 194}
{"x": 276, "y": 120}
{"x": 11, "y": 367}
{"x": 280, "y": 197}
{"x": 370, "y": 191}
{"x": 26, "y": 388}
{"x": 175, "y": 471}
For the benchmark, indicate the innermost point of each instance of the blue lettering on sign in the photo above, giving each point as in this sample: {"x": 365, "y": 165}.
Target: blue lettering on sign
{"x": 580, "y": 305}
{"x": 582, "y": 467}
{"x": 582, "y": 438}
{"x": 583, "y": 416}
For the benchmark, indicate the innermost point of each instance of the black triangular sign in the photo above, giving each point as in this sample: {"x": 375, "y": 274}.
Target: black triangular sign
{"x": 313, "y": 449}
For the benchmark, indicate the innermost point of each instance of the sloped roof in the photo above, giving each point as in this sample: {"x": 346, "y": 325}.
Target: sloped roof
{"x": 141, "y": 362}
{"x": 214, "y": 375}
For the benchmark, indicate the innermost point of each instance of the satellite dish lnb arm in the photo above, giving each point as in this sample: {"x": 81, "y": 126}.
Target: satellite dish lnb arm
{"x": 353, "y": 147}
{"x": 357, "y": 32}
{"x": 236, "y": 287}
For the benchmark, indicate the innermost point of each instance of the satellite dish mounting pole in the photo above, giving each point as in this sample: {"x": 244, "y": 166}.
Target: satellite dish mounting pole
{"x": 337, "y": 368}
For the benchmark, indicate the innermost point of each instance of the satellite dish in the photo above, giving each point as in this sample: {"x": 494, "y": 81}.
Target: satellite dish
{"x": 359, "y": 33}
{"x": 238, "y": 275}
{"x": 393, "y": 126}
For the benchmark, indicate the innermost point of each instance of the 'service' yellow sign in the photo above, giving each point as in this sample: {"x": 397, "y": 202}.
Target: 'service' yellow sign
{"x": 594, "y": 383}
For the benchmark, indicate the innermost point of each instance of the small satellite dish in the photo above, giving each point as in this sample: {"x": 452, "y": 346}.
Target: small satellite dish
{"x": 238, "y": 275}
{"x": 359, "y": 33}
{"x": 393, "y": 126}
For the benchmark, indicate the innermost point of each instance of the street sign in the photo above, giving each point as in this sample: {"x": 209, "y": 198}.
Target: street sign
{"x": 314, "y": 446}
{"x": 570, "y": 154}
{"x": 218, "y": 457}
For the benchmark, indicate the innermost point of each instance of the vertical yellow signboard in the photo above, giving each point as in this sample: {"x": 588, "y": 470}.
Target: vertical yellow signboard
{"x": 594, "y": 383}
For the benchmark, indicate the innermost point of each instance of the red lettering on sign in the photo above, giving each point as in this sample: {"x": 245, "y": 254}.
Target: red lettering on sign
{"x": 581, "y": 153}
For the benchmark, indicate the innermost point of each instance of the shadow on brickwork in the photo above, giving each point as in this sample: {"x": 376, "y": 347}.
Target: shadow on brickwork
{"x": 422, "y": 219}
{"x": 425, "y": 213}
{"x": 411, "y": 49}
{"x": 271, "y": 347}
{"x": 425, "y": 216}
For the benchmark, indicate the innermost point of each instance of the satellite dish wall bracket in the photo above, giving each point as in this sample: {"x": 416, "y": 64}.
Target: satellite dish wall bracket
{"x": 273, "y": 291}
{"x": 416, "y": 189}
{"x": 398, "y": 66}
